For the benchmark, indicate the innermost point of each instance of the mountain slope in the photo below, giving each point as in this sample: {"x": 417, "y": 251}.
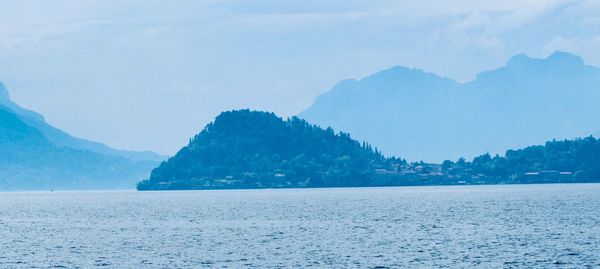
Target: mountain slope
{"x": 28, "y": 161}
{"x": 37, "y": 156}
{"x": 421, "y": 116}
{"x": 62, "y": 139}
{"x": 251, "y": 149}
{"x": 14, "y": 132}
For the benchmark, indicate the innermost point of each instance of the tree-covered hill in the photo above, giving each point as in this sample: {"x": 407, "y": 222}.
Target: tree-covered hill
{"x": 575, "y": 160}
{"x": 252, "y": 149}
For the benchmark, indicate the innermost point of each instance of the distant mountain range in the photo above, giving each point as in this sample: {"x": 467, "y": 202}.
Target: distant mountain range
{"x": 404, "y": 112}
{"x": 422, "y": 116}
{"x": 36, "y": 155}
{"x": 62, "y": 139}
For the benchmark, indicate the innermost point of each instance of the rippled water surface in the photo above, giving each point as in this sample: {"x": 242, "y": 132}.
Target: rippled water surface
{"x": 540, "y": 226}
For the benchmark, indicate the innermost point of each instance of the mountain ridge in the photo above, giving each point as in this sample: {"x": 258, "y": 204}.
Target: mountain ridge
{"x": 432, "y": 118}
{"x": 37, "y": 156}
{"x": 28, "y": 161}
{"x": 63, "y": 139}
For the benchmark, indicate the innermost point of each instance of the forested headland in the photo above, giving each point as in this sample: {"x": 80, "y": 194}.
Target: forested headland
{"x": 254, "y": 149}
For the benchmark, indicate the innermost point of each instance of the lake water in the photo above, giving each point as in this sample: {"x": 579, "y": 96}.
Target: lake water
{"x": 539, "y": 226}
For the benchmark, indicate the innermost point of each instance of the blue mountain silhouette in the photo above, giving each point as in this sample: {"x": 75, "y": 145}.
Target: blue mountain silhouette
{"x": 36, "y": 155}
{"x": 422, "y": 116}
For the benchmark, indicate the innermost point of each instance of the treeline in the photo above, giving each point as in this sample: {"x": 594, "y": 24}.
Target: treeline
{"x": 557, "y": 161}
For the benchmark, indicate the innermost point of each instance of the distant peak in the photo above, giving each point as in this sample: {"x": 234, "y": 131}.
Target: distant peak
{"x": 565, "y": 58}
{"x": 556, "y": 58}
{"x": 398, "y": 69}
{"x": 399, "y": 72}
{"x": 518, "y": 59}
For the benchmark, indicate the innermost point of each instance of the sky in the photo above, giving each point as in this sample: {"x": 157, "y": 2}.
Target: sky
{"x": 149, "y": 74}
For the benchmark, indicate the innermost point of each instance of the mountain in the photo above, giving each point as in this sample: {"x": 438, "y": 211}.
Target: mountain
{"x": 422, "y": 116}
{"x": 62, "y": 139}
{"x": 30, "y": 157}
{"x": 252, "y": 149}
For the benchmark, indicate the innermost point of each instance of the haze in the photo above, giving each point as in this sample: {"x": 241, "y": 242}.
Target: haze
{"x": 147, "y": 75}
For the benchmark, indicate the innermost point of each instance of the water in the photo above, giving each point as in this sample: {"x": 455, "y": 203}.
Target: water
{"x": 539, "y": 226}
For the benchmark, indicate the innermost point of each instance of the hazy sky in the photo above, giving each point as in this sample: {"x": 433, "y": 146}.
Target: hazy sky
{"x": 149, "y": 74}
